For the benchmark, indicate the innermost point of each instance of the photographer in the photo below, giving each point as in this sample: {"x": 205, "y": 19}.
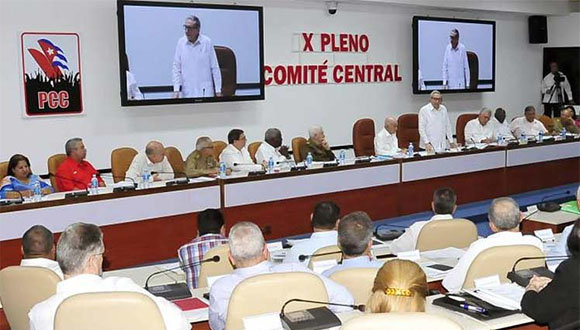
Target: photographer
{"x": 555, "y": 88}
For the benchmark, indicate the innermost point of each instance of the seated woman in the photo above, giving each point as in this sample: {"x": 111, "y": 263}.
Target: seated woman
{"x": 19, "y": 180}
{"x": 400, "y": 286}
{"x": 555, "y": 301}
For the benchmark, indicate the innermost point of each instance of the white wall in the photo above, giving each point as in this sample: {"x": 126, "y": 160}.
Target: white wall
{"x": 106, "y": 125}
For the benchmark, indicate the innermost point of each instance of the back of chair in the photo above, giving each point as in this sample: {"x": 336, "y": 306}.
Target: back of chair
{"x": 53, "y": 163}
{"x": 363, "y": 137}
{"x": 253, "y": 149}
{"x": 218, "y": 147}
{"x": 228, "y": 67}
{"x": 400, "y": 321}
{"x": 23, "y": 287}
{"x": 3, "y": 169}
{"x": 108, "y": 310}
{"x": 460, "y": 126}
{"x": 176, "y": 160}
{"x": 473, "y": 62}
{"x": 327, "y": 249}
{"x": 121, "y": 159}
{"x": 548, "y": 122}
{"x": 440, "y": 234}
{"x": 358, "y": 281}
{"x": 297, "y": 143}
{"x": 273, "y": 291}
{"x": 500, "y": 260}
{"x": 210, "y": 269}
{"x": 408, "y": 130}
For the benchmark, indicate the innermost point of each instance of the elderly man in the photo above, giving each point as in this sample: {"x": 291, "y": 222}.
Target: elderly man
{"x": 196, "y": 69}
{"x": 317, "y": 146}
{"x": 501, "y": 126}
{"x": 249, "y": 255}
{"x": 201, "y": 162}
{"x": 236, "y": 155}
{"x": 480, "y": 129}
{"x": 455, "y": 68}
{"x": 386, "y": 142}
{"x": 566, "y": 121}
{"x": 355, "y": 239}
{"x": 75, "y": 172}
{"x": 434, "y": 125}
{"x": 504, "y": 220}
{"x": 527, "y": 125}
{"x": 80, "y": 252}
{"x": 272, "y": 148}
{"x": 153, "y": 160}
{"x": 555, "y": 89}
{"x": 38, "y": 249}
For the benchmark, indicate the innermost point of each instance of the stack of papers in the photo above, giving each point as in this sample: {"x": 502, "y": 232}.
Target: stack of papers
{"x": 506, "y": 295}
{"x": 447, "y": 253}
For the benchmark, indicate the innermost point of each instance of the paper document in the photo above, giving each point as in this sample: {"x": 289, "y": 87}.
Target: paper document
{"x": 295, "y": 241}
{"x": 506, "y": 295}
{"x": 450, "y": 252}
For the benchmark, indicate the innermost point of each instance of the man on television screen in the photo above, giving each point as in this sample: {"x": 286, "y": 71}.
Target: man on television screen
{"x": 196, "y": 69}
{"x": 455, "y": 65}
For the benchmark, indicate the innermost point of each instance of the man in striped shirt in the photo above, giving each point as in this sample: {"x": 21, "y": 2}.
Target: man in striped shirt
{"x": 211, "y": 232}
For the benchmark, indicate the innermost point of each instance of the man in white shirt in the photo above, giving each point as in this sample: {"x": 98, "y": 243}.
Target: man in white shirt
{"x": 249, "y": 255}
{"x": 80, "y": 251}
{"x": 355, "y": 240}
{"x": 555, "y": 89}
{"x": 501, "y": 126}
{"x": 324, "y": 219}
{"x": 236, "y": 155}
{"x": 504, "y": 220}
{"x": 38, "y": 249}
{"x": 153, "y": 159}
{"x": 386, "y": 142}
{"x": 527, "y": 125}
{"x": 434, "y": 125}
{"x": 272, "y": 148}
{"x": 480, "y": 129}
{"x": 195, "y": 66}
{"x": 455, "y": 65}
{"x": 443, "y": 205}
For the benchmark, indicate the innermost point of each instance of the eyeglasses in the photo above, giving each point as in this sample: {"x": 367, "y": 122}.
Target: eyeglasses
{"x": 191, "y": 28}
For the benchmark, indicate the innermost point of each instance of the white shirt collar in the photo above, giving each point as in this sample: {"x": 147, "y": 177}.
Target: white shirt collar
{"x": 442, "y": 217}
{"x": 324, "y": 234}
{"x": 262, "y": 267}
{"x": 79, "y": 281}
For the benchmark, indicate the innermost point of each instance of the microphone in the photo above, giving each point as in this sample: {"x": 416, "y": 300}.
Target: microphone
{"x": 244, "y": 164}
{"x": 567, "y": 192}
{"x": 390, "y": 234}
{"x": 123, "y": 188}
{"x": 551, "y": 206}
{"x": 213, "y": 259}
{"x": 74, "y": 194}
{"x": 12, "y": 201}
{"x": 522, "y": 277}
{"x": 319, "y": 318}
{"x": 174, "y": 181}
{"x": 303, "y": 257}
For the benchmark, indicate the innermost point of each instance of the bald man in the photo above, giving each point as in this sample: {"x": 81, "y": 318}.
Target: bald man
{"x": 38, "y": 249}
{"x": 386, "y": 143}
{"x": 153, "y": 159}
{"x": 566, "y": 121}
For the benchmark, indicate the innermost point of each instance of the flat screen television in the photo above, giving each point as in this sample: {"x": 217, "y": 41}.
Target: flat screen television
{"x": 189, "y": 52}
{"x": 453, "y": 55}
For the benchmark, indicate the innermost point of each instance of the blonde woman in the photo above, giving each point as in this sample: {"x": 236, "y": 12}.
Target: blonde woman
{"x": 400, "y": 286}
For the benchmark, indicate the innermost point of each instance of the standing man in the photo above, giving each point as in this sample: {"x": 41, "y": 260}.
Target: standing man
{"x": 455, "y": 65}
{"x": 555, "y": 87}
{"x": 434, "y": 125}
{"x": 272, "y": 148}
{"x": 154, "y": 159}
{"x": 75, "y": 172}
{"x": 195, "y": 66}
{"x": 386, "y": 142}
{"x": 480, "y": 129}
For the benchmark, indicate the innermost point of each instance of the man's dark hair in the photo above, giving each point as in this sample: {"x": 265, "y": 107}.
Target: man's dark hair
{"x": 529, "y": 108}
{"x": 209, "y": 221}
{"x": 325, "y": 215}
{"x": 355, "y": 231}
{"x": 444, "y": 200}
{"x": 234, "y": 135}
{"x": 37, "y": 241}
{"x": 574, "y": 239}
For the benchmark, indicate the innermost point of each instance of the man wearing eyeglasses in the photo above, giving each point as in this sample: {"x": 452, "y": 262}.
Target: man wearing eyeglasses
{"x": 196, "y": 71}
{"x": 434, "y": 125}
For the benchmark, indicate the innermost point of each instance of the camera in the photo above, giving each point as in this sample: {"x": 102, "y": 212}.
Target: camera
{"x": 558, "y": 78}
{"x": 332, "y": 7}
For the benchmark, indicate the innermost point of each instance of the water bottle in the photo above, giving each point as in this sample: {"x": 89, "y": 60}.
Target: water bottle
{"x": 309, "y": 160}
{"x": 523, "y": 139}
{"x": 222, "y": 173}
{"x": 271, "y": 165}
{"x": 499, "y": 140}
{"x": 342, "y": 157}
{"x": 540, "y": 137}
{"x": 94, "y": 185}
{"x": 146, "y": 177}
{"x": 563, "y": 133}
{"x": 411, "y": 150}
{"x": 37, "y": 192}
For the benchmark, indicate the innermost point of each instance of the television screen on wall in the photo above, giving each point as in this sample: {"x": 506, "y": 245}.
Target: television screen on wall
{"x": 453, "y": 55}
{"x": 189, "y": 52}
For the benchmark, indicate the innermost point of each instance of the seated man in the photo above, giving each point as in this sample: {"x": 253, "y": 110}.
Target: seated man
{"x": 504, "y": 220}
{"x": 443, "y": 205}
{"x": 201, "y": 162}
{"x": 500, "y": 125}
{"x": 566, "y": 121}
{"x": 235, "y": 155}
{"x": 317, "y": 146}
{"x": 324, "y": 220}
{"x": 527, "y": 125}
{"x": 355, "y": 239}
{"x": 75, "y": 172}
{"x": 153, "y": 159}
{"x": 38, "y": 249}
{"x": 249, "y": 255}
{"x": 480, "y": 130}
{"x": 211, "y": 232}
{"x": 386, "y": 142}
{"x": 272, "y": 148}
{"x": 79, "y": 252}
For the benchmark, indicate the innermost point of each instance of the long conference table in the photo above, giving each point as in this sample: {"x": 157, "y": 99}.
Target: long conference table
{"x": 149, "y": 225}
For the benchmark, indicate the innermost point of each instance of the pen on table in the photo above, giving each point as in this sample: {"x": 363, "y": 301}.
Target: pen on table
{"x": 473, "y": 308}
